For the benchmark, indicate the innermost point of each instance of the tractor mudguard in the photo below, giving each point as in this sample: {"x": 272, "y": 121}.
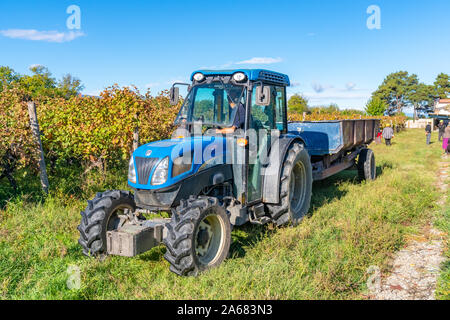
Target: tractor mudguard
{"x": 272, "y": 173}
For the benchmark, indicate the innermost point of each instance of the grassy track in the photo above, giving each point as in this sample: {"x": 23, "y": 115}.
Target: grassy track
{"x": 443, "y": 223}
{"x": 352, "y": 226}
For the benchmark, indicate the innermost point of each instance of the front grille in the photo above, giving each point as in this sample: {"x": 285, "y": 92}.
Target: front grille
{"x": 144, "y": 167}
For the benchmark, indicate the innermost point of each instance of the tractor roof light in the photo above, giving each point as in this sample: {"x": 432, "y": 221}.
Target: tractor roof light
{"x": 199, "y": 77}
{"x": 239, "y": 77}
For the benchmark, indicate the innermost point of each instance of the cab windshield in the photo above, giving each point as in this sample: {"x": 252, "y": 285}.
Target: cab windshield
{"x": 212, "y": 105}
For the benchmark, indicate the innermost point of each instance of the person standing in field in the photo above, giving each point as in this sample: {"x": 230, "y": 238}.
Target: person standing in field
{"x": 428, "y": 133}
{"x": 445, "y": 144}
{"x": 388, "y": 134}
{"x": 378, "y": 140}
{"x": 441, "y": 127}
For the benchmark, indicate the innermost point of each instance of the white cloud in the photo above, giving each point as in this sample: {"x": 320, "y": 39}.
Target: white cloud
{"x": 337, "y": 94}
{"x": 350, "y": 86}
{"x": 257, "y": 60}
{"x": 37, "y": 65}
{"x": 218, "y": 67}
{"x": 35, "y": 35}
{"x": 318, "y": 87}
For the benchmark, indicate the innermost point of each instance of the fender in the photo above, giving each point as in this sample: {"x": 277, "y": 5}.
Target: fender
{"x": 272, "y": 173}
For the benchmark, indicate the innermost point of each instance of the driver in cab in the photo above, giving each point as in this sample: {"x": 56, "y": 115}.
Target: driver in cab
{"x": 238, "y": 110}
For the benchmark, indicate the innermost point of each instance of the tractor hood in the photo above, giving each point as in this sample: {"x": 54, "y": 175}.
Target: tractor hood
{"x": 187, "y": 155}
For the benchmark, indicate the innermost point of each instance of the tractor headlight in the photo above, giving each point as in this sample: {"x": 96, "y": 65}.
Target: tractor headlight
{"x": 199, "y": 77}
{"x": 161, "y": 172}
{"x": 132, "y": 171}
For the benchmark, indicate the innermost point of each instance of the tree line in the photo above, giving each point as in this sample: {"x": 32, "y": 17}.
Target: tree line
{"x": 398, "y": 91}
{"x": 40, "y": 83}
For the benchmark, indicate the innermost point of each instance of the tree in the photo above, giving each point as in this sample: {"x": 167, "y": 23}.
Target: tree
{"x": 376, "y": 107}
{"x": 395, "y": 89}
{"x": 298, "y": 103}
{"x": 8, "y": 76}
{"x": 332, "y": 108}
{"x": 42, "y": 83}
{"x": 442, "y": 86}
{"x": 70, "y": 86}
{"x": 351, "y": 112}
{"x": 422, "y": 98}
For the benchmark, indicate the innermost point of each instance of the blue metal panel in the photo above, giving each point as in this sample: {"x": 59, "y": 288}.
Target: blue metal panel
{"x": 202, "y": 148}
{"x": 321, "y": 138}
{"x": 252, "y": 74}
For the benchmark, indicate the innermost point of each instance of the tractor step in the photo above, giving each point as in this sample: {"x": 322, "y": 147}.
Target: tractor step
{"x": 134, "y": 239}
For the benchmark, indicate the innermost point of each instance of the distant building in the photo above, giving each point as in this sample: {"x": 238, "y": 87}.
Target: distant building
{"x": 442, "y": 107}
{"x": 441, "y": 111}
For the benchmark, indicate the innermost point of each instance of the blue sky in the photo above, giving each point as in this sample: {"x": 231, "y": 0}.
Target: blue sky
{"x": 324, "y": 46}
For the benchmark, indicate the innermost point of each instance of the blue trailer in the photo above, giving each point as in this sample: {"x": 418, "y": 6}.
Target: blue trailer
{"x": 234, "y": 159}
{"x": 335, "y": 145}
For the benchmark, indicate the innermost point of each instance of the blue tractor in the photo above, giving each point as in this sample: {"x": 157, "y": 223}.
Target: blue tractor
{"x": 234, "y": 159}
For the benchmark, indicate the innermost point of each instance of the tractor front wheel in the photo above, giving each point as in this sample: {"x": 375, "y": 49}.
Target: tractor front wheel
{"x": 105, "y": 213}
{"x": 198, "y": 236}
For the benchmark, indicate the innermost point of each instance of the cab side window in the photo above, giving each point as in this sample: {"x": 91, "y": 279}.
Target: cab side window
{"x": 263, "y": 117}
{"x": 280, "y": 110}
{"x": 271, "y": 116}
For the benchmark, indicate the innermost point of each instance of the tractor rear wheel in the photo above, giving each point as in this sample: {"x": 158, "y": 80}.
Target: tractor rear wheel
{"x": 106, "y": 212}
{"x": 198, "y": 236}
{"x": 367, "y": 169}
{"x": 296, "y": 188}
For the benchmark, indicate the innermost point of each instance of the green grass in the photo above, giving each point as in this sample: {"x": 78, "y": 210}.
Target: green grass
{"x": 352, "y": 226}
{"x": 443, "y": 223}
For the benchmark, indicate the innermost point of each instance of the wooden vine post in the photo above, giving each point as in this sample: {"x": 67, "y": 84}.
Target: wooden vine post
{"x": 34, "y": 124}
{"x": 136, "y": 134}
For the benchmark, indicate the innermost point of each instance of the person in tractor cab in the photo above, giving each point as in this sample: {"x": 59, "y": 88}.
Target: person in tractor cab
{"x": 234, "y": 98}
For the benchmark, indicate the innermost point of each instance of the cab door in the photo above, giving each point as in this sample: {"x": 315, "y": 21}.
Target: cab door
{"x": 266, "y": 123}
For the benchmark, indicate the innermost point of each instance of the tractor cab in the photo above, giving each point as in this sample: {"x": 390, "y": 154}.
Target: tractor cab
{"x": 213, "y": 95}
{"x": 245, "y": 108}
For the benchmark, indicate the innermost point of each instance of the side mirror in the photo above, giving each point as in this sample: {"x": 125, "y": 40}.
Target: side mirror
{"x": 262, "y": 96}
{"x": 174, "y": 95}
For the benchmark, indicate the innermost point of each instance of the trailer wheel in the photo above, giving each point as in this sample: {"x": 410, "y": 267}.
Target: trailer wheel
{"x": 367, "y": 169}
{"x": 296, "y": 188}
{"x": 198, "y": 237}
{"x": 104, "y": 213}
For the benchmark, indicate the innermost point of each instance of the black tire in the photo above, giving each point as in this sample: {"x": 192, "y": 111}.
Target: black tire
{"x": 100, "y": 216}
{"x": 295, "y": 189}
{"x": 367, "y": 169}
{"x": 186, "y": 230}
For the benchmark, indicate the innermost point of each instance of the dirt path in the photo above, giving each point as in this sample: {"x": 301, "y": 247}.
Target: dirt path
{"x": 415, "y": 269}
